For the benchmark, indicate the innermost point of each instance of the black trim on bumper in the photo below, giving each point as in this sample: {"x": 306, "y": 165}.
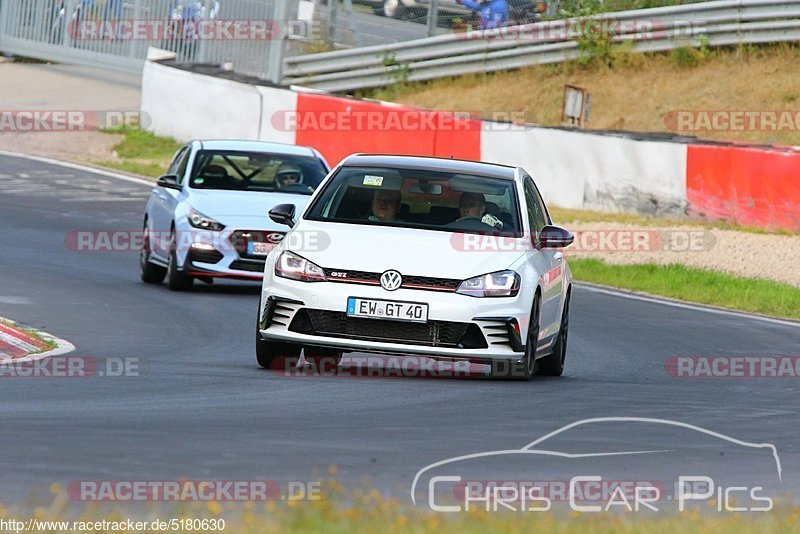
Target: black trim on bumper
{"x": 433, "y": 333}
{"x": 514, "y": 338}
{"x": 273, "y": 309}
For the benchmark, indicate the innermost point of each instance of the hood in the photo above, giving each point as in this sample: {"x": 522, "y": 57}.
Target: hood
{"x": 410, "y": 251}
{"x": 220, "y": 204}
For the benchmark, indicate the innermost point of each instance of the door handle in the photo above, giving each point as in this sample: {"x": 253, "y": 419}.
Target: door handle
{"x": 558, "y": 256}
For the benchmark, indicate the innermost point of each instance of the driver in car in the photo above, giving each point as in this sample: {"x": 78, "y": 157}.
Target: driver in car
{"x": 472, "y": 208}
{"x": 288, "y": 174}
{"x": 385, "y": 205}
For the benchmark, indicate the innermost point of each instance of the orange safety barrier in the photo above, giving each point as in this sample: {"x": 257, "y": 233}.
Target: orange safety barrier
{"x": 753, "y": 187}
{"x": 338, "y": 127}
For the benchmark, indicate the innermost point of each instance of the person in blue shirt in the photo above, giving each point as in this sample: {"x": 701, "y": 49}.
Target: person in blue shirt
{"x": 493, "y": 13}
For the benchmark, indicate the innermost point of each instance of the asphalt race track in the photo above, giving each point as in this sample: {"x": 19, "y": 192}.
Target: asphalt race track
{"x": 202, "y": 408}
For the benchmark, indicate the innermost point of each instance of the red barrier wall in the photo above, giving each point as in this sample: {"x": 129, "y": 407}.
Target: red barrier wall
{"x": 338, "y": 127}
{"x": 749, "y": 186}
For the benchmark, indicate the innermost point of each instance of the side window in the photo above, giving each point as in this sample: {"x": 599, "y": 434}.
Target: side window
{"x": 536, "y": 214}
{"x": 178, "y": 165}
{"x": 545, "y": 213}
{"x": 181, "y": 172}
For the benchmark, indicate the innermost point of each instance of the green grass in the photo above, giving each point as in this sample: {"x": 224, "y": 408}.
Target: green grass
{"x": 564, "y": 216}
{"x": 152, "y": 170}
{"x": 142, "y": 152}
{"x": 694, "y": 285}
{"x": 140, "y": 144}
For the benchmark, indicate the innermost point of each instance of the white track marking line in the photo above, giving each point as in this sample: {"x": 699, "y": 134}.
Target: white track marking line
{"x": 77, "y": 166}
{"x": 685, "y": 305}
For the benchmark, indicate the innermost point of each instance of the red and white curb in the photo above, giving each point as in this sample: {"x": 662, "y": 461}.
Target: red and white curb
{"x": 17, "y": 345}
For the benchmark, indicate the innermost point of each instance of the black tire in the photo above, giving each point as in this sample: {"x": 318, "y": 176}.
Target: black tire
{"x": 525, "y": 368}
{"x": 149, "y": 272}
{"x": 553, "y": 365}
{"x": 275, "y": 355}
{"x": 176, "y": 280}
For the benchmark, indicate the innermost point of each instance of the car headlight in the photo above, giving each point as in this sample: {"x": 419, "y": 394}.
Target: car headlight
{"x": 294, "y": 267}
{"x": 499, "y": 284}
{"x": 198, "y": 220}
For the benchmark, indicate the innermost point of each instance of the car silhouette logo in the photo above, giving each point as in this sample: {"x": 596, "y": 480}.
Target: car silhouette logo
{"x": 274, "y": 237}
{"x": 391, "y": 280}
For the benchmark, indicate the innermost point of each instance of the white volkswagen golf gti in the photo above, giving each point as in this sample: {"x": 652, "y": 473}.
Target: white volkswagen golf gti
{"x": 448, "y": 259}
{"x": 205, "y": 218}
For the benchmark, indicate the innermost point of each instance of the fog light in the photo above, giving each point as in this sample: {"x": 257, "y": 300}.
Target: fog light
{"x": 202, "y": 246}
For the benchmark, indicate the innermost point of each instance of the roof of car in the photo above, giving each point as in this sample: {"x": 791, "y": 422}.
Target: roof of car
{"x": 458, "y": 166}
{"x": 258, "y": 146}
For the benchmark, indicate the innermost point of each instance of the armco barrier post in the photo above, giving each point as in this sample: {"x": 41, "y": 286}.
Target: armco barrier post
{"x": 280, "y": 9}
{"x": 433, "y": 16}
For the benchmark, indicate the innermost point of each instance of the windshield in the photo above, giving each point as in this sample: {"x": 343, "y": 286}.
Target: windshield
{"x": 256, "y": 171}
{"x": 419, "y": 199}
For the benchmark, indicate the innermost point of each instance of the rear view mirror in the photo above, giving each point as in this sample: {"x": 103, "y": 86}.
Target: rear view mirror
{"x": 170, "y": 181}
{"x": 555, "y": 237}
{"x": 425, "y": 188}
{"x": 283, "y": 214}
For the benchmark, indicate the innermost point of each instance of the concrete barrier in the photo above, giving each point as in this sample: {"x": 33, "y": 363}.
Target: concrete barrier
{"x": 574, "y": 169}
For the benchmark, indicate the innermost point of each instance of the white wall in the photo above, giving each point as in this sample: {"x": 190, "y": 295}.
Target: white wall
{"x": 275, "y": 103}
{"x": 589, "y": 171}
{"x": 185, "y": 105}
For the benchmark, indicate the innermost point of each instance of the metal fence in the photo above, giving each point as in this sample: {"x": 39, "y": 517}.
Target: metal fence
{"x": 117, "y": 33}
{"x": 719, "y": 23}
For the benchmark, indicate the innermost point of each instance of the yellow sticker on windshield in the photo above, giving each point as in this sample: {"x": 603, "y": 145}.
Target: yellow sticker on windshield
{"x": 376, "y": 181}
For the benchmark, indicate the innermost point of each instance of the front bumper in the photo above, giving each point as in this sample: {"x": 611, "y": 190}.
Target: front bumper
{"x": 206, "y": 254}
{"x": 459, "y": 327}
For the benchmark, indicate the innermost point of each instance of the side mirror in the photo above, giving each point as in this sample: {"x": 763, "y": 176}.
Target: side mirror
{"x": 170, "y": 181}
{"x": 283, "y": 214}
{"x": 555, "y": 237}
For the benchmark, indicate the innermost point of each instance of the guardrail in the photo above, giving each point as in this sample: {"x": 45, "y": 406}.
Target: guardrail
{"x": 718, "y": 23}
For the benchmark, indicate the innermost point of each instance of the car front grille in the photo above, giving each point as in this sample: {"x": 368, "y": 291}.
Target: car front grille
{"x": 409, "y": 281}
{"x": 433, "y": 333}
{"x": 253, "y": 266}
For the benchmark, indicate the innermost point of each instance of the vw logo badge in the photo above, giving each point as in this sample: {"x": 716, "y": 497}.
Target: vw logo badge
{"x": 391, "y": 280}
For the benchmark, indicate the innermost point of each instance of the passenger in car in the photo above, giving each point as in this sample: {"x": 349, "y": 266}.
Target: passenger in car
{"x": 385, "y": 205}
{"x": 472, "y": 207}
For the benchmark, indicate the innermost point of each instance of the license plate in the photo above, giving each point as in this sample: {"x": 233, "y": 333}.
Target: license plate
{"x": 256, "y": 248}
{"x": 414, "y": 312}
